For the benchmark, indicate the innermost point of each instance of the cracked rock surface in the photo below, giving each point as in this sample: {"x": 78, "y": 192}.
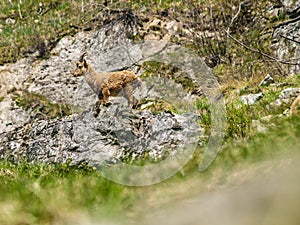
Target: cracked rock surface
{"x": 115, "y": 133}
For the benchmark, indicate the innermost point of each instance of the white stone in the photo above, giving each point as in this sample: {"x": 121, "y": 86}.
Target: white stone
{"x": 250, "y": 99}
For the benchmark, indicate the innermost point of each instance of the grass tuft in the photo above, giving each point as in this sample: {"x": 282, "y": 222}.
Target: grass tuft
{"x": 40, "y": 105}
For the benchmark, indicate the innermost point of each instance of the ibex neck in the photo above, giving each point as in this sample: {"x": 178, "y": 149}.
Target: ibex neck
{"x": 94, "y": 79}
{"x": 91, "y": 72}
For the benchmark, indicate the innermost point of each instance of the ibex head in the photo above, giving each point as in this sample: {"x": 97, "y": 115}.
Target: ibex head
{"x": 81, "y": 66}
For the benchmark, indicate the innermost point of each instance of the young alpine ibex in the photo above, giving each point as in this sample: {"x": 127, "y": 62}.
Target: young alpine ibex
{"x": 106, "y": 84}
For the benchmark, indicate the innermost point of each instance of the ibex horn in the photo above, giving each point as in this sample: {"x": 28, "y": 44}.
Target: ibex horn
{"x": 82, "y": 56}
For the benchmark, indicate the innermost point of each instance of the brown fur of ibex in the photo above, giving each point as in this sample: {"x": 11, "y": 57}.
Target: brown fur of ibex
{"x": 106, "y": 84}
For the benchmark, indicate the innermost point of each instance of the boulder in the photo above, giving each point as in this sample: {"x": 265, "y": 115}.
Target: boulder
{"x": 286, "y": 96}
{"x": 250, "y": 99}
{"x": 117, "y": 134}
{"x": 267, "y": 80}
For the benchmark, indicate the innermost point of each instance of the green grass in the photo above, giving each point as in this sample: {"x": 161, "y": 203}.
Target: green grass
{"x": 33, "y": 30}
{"x": 291, "y": 81}
{"x": 38, "y": 28}
{"x": 40, "y": 105}
{"x": 49, "y": 194}
{"x": 27, "y": 27}
{"x": 203, "y": 108}
{"x": 278, "y": 141}
{"x": 238, "y": 115}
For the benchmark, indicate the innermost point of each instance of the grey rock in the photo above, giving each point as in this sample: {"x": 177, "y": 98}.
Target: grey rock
{"x": 263, "y": 124}
{"x": 287, "y": 36}
{"x": 10, "y": 21}
{"x": 267, "y": 80}
{"x": 250, "y": 99}
{"x": 13, "y": 76}
{"x": 289, "y": 93}
{"x": 291, "y": 5}
{"x": 12, "y": 116}
{"x": 116, "y": 134}
{"x": 286, "y": 96}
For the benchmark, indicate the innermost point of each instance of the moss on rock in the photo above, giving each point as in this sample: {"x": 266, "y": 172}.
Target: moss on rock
{"x": 41, "y": 106}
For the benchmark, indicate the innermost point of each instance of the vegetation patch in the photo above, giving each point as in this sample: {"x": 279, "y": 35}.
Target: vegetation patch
{"x": 157, "y": 106}
{"x": 280, "y": 139}
{"x": 36, "y": 26}
{"x": 153, "y": 68}
{"x": 40, "y": 105}
{"x": 55, "y": 194}
{"x": 291, "y": 81}
{"x": 239, "y": 118}
{"x": 202, "y": 106}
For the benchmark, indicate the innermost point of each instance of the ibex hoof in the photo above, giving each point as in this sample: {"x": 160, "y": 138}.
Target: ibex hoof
{"x": 96, "y": 110}
{"x": 107, "y": 104}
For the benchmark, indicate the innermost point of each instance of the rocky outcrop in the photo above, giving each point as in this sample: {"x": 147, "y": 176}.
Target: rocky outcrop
{"x": 52, "y": 77}
{"x": 116, "y": 134}
{"x": 287, "y": 36}
{"x": 267, "y": 81}
{"x": 13, "y": 76}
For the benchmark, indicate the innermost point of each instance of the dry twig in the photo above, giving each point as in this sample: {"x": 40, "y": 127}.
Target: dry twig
{"x": 262, "y": 53}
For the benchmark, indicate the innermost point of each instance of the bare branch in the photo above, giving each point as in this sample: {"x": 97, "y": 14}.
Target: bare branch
{"x": 287, "y": 22}
{"x": 290, "y": 39}
{"x": 20, "y": 13}
{"x": 262, "y": 53}
{"x": 236, "y": 15}
{"x": 228, "y": 29}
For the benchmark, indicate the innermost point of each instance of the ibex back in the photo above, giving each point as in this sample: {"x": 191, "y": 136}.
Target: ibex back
{"x": 106, "y": 84}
